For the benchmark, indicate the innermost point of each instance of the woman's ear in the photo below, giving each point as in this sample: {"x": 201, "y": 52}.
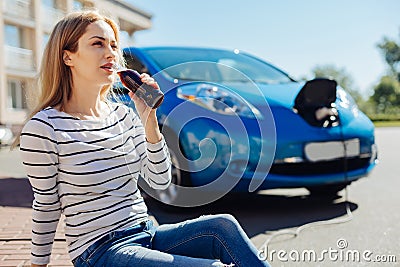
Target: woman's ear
{"x": 66, "y": 58}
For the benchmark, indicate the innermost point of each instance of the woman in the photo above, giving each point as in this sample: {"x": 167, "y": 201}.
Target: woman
{"x": 83, "y": 155}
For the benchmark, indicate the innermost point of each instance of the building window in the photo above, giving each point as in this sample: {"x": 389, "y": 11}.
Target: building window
{"x": 12, "y": 35}
{"x": 49, "y": 3}
{"x": 16, "y": 94}
{"x": 77, "y": 5}
{"x": 56, "y": 4}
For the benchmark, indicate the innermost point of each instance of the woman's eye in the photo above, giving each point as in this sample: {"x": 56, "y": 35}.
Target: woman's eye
{"x": 98, "y": 43}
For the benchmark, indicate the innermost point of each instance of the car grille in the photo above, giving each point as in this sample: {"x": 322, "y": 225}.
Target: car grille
{"x": 320, "y": 167}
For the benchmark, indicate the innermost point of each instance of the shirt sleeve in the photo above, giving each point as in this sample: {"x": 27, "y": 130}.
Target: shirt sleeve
{"x": 155, "y": 159}
{"x": 38, "y": 149}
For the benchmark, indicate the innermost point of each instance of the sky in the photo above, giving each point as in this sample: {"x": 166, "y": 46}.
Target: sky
{"x": 294, "y": 35}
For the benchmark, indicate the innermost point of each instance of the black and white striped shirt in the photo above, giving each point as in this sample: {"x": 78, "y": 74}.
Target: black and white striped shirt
{"x": 88, "y": 171}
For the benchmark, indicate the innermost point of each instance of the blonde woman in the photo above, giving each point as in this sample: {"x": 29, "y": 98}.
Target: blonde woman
{"x": 84, "y": 154}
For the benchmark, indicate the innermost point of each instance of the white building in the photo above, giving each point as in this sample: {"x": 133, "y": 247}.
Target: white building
{"x": 25, "y": 26}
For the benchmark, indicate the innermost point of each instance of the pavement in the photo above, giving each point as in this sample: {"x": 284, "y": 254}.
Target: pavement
{"x": 15, "y": 217}
{"x": 15, "y": 239}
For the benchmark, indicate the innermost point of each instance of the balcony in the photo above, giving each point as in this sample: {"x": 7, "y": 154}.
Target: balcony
{"x": 19, "y": 60}
{"x": 20, "y": 9}
{"x": 50, "y": 16}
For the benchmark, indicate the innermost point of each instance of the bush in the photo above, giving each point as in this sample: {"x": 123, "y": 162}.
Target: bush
{"x": 384, "y": 117}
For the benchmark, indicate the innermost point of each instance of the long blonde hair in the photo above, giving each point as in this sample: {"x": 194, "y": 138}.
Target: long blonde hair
{"x": 55, "y": 78}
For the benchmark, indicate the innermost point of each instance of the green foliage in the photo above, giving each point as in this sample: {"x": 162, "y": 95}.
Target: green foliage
{"x": 387, "y": 123}
{"x": 386, "y": 94}
{"x": 375, "y": 117}
{"x": 384, "y": 104}
{"x": 391, "y": 52}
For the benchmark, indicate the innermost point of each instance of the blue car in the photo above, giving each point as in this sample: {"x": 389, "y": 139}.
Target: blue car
{"x": 235, "y": 123}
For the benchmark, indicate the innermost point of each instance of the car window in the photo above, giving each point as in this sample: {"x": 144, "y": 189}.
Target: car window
{"x": 215, "y": 65}
{"x": 133, "y": 63}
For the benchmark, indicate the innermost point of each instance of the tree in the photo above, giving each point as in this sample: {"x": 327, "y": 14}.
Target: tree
{"x": 391, "y": 53}
{"x": 386, "y": 94}
{"x": 342, "y": 77}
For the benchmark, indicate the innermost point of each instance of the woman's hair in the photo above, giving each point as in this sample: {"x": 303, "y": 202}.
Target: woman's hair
{"x": 55, "y": 78}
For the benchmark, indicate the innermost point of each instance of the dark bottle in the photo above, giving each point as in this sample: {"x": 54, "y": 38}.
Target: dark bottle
{"x": 131, "y": 80}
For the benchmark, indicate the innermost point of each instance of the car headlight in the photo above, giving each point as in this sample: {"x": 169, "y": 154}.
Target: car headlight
{"x": 346, "y": 101}
{"x": 218, "y": 99}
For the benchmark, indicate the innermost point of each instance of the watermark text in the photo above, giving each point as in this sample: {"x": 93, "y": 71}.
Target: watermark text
{"x": 340, "y": 253}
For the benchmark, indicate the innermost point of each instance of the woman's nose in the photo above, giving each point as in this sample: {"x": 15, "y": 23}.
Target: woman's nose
{"x": 111, "y": 52}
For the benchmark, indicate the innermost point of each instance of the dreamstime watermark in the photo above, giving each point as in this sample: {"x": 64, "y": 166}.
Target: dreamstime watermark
{"x": 340, "y": 253}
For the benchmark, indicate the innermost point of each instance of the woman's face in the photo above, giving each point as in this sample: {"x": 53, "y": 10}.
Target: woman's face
{"x": 92, "y": 63}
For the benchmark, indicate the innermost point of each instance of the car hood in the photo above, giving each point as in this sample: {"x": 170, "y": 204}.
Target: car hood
{"x": 275, "y": 94}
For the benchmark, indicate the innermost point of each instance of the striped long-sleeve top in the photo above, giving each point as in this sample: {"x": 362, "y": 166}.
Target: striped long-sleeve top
{"x": 88, "y": 171}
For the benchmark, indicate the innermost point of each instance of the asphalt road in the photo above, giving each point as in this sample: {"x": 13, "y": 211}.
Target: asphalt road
{"x": 369, "y": 237}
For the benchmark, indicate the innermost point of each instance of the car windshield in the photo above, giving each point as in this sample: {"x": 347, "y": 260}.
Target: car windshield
{"x": 214, "y": 66}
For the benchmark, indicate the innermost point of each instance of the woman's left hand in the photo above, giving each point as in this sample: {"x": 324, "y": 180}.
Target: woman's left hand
{"x": 144, "y": 110}
{"x": 147, "y": 114}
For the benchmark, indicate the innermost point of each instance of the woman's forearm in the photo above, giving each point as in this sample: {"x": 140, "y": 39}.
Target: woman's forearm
{"x": 152, "y": 130}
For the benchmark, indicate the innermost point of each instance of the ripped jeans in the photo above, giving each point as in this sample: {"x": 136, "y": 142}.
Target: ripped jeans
{"x": 211, "y": 240}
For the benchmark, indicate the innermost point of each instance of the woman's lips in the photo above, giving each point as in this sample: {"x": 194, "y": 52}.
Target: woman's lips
{"x": 109, "y": 67}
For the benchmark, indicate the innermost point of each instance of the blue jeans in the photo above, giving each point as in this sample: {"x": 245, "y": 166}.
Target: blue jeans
{"x": 212, "y": 240}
